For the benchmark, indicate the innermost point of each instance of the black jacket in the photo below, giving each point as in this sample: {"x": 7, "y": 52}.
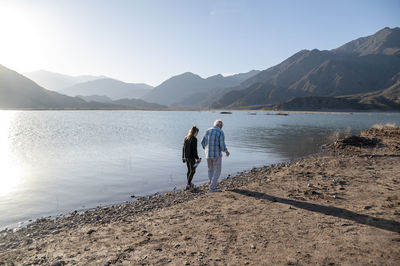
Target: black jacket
{"x": 189, "y": 150}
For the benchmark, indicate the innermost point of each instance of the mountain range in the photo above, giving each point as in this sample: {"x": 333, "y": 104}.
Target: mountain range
{"x": 112, "y": 88}
{"x": 188, "y": 89}
{"x": 19, "y": 92}
{"x": 362, "y": 66}
{"x": 55, "y": 81}
{"x": 363, "y": 74}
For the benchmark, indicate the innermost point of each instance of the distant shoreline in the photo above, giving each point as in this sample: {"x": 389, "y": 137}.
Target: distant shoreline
{"x": 346, "y": 111}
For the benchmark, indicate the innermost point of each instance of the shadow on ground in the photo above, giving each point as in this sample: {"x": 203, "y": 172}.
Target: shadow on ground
{"x": 380, "y": 223}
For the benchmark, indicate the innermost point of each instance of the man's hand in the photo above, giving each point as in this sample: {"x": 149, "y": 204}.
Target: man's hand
{"x": 199, "y": 160}
{"x": 183, "y": 160}
{"x": 227, "y": 154}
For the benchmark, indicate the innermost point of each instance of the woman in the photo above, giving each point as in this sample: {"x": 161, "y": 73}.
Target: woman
{"x": 190, "y": 155}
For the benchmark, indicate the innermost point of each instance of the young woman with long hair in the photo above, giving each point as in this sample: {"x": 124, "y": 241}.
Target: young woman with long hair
{"x": 190, "y": 155}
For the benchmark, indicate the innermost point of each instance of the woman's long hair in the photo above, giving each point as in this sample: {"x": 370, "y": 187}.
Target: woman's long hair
{"x": 191, "y": 132}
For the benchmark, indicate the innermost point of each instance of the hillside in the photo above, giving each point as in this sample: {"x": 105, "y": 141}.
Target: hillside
{"x": 55, "y": 81}
{"x": 190, "y": 90}
{"x": 138, "y": 103}
{"x": 385, "y": 41}
{"x": 19, "y": 92}
{"x": 111, "y": 88}
{"x": 360, "y": 66}
{"x": 123, "y": 103}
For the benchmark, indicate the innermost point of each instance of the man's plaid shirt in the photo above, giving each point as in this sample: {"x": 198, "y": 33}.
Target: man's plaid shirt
{"x": 214, "y": 142}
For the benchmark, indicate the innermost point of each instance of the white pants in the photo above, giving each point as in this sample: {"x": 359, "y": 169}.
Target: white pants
{"x": 214, "y": 171}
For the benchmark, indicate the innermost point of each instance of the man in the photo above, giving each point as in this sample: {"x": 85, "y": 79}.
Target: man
{"x": 214, "y": 144}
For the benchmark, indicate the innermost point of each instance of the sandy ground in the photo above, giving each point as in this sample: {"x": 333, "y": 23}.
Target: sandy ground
{"x": 341, "y": 207}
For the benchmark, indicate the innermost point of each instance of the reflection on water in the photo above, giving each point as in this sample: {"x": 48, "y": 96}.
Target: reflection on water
{"x": 11, "y": 172}
{"x": 295, "y": 141}
{"x": 53, "y": 162}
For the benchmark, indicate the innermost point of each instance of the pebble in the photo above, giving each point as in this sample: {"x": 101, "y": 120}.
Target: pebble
{"x": 91, "y": 231}
{"x": 58, "y": 263}
{"x": 253, "y": 246}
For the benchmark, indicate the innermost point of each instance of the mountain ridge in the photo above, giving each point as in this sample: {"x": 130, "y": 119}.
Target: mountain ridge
{"x": 179, "y": 89}
{"x": 56, "y": 81}
{"x": 323, "y": 73}
{"x": 113, "y": 88}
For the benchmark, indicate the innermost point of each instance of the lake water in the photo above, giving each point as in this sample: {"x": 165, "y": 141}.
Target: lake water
{"x": 53, "y": 162}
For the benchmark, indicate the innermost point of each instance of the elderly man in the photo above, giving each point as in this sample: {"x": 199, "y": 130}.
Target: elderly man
{"x": 214, "y": 144}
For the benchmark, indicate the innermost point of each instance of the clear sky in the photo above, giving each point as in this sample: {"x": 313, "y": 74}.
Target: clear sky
{"x": 149, "y": 41}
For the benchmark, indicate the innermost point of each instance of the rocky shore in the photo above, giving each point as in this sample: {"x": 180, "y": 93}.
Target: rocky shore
{"x": 338, "y": 207}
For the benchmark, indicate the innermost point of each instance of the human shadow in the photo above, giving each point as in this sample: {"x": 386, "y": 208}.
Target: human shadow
{"x": 379, "y": 155}
{"x": 388, "y": 225}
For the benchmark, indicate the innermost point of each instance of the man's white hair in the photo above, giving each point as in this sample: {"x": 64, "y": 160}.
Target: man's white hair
{"x": 218, "y": 123}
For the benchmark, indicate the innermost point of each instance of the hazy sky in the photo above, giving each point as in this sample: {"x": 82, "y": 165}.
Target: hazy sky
{"x": 150, "y": 41}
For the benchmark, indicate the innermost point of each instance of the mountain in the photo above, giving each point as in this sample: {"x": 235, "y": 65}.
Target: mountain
{"x": 189, "y": 90}
{"x": 55, "y": 81}
{"x": 19, "y": 92}
{"x": 361, "y": 66}
{"x": 126, "y": 103}
{"x": 341, "y": 103}
{"x": 95, "y": 98}
{"x": 138, "y": 103}
{"x": 385, "y": 41}
{"x": 382, "y": 100}
{"x": 111, "y": 88}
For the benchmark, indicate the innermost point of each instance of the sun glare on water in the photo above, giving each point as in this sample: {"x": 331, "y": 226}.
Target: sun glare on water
{"x": 10, "y": 172}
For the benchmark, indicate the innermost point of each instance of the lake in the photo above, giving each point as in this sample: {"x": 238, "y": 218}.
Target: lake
{"x": 54, "y": 162}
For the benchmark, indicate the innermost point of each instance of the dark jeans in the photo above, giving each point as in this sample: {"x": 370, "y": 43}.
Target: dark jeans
{"x": 191, "y": 170}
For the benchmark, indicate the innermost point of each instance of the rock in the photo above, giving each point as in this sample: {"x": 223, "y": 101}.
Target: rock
{"x": 253, "y": 247}
{"x": 149, "y": 234}
{"x": 367, "y": 207}
{"x": 309, "y": 185}
{"x": 133, "y": 196}
{"x": 58, "y": 263}
{"x": 91, "y": 231}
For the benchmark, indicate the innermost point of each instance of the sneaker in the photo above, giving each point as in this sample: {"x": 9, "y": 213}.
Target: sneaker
{"x": 215, "y": 190}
